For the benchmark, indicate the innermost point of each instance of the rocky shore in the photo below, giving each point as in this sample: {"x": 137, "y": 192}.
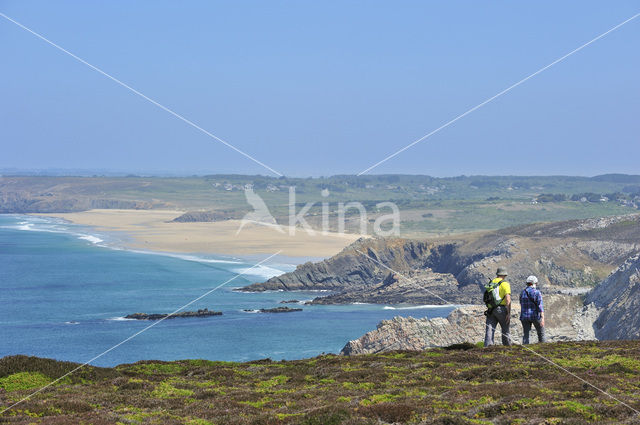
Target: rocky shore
{"x": 575, "y": 255}
{"x": 466, "y": 324}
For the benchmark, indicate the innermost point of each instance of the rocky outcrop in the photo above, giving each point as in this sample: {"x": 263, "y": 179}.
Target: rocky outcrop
{"x": 208, "y": 216}
{"x": 275, "y": 310}
{"x": 617, "y": 300}
{"x": 355, "y": 267}
{"x": 466, "y": 324}
{"x": 425, "y": 272}
{"x": 185, "y": 314}
{"x": 413, "y": 287}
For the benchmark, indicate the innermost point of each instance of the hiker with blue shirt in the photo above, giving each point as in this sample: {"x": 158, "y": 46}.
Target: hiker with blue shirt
{"x": 532, "y": 311}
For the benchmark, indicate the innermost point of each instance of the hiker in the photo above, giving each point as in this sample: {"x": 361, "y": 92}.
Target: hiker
{"x": 532, "y": 311}
{"x": 497, "y": 297}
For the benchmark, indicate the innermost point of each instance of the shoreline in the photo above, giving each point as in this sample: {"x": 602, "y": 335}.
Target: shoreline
{"x": 154, "y": 230}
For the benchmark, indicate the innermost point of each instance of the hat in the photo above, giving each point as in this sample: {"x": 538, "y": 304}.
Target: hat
{"x": 501, "y": 271}
{"x": 532, "y": 280}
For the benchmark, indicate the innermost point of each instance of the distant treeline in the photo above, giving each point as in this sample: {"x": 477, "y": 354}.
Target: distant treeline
{"x": 631, "y": 195}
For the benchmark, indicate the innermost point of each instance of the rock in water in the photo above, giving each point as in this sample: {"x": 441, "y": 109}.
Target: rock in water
{"x": 158, "y": 316}
{"x": 275, "y": 310}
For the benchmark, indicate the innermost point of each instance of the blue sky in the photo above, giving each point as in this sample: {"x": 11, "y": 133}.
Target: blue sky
{"x": 321, "y": 88}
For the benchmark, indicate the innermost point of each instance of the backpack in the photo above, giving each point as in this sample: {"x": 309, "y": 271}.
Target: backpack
{"x": 492, "y": 294}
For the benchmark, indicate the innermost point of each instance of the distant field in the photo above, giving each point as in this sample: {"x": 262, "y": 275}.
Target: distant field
{"x": 428, "y": 205}
{"x": 472, "y": 216}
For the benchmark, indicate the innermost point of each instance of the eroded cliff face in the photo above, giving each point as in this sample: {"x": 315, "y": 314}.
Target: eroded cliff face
{"x": 430, "y": 272}
{"x": 568, "y": 258}
{"x": 607, "y": 312}
{"x": 617, "y": 299}
{"x": 355, "y": 267}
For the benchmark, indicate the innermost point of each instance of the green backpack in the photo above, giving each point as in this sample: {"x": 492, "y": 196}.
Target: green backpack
{"x": 492, "y": 294}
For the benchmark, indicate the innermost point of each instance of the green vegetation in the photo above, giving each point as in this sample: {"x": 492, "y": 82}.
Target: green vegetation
{"x": 428, "y": 205}
{"x": 463, "y": 384}
{"x": 24, "y": 381}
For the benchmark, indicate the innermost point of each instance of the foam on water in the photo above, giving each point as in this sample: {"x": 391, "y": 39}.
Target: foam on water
{"x": 416, "y": 307}
{"x": 185, "y": 257}
{"x": 93, "y": 239}
{"x": 54, "y": 225}
{"x": 264, "y": 272}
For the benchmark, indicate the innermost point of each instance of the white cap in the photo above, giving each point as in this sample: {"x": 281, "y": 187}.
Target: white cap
{"x": 532, "y": 279}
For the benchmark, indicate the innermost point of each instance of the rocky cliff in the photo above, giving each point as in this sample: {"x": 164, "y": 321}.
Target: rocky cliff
{"x": 579, "y": 253}
{"x": 617, "y": 299}
{"x": 355, "y": 267}
{"x": 564, "y": 322}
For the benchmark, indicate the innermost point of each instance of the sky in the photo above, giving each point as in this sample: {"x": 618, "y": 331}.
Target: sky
{"x": 321, "y": 88}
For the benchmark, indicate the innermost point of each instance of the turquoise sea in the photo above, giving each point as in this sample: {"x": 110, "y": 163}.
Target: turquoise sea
{"x": 64, "y": 290}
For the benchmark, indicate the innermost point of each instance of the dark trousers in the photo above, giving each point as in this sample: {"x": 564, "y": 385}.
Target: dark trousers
{"x": 526, "y": 328}
{"x": 498, "y": 315}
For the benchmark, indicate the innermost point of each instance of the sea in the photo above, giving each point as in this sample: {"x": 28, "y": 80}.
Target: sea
{"x": 65, "y": 290}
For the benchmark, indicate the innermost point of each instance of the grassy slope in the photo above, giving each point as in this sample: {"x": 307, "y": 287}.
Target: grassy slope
{"x": 481, "y": 386}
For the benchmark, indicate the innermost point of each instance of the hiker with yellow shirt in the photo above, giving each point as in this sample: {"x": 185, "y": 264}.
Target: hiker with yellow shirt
{"x": 497, "y": 297}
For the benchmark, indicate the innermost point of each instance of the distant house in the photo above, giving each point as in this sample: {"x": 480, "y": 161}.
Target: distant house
{"x": 272, "y": 188}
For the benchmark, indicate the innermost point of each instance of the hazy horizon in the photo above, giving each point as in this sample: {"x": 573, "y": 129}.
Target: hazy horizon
{"x": 321, "y": 89}
{"x": 54, "y": 172}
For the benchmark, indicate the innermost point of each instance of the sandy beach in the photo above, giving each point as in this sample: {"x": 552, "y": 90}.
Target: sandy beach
{"x": 153, "y": 230}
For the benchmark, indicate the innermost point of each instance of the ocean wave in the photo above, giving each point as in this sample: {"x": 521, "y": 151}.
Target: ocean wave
{"x": 250, "y": 311}
{"x": 185, "y": 257}
{"x": 54, "y": 225}
{"x": 93, "y": 239}
{"x": 268, "y": 291}
{"x": 261, "y": 271}
{"x": 57, "y": 225}
{"x": 119, "y": 319}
